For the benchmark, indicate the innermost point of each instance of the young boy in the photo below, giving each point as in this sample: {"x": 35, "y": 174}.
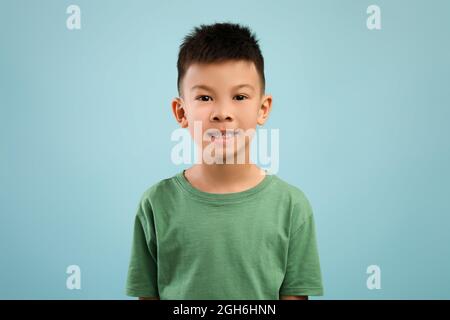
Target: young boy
{"x": 223, "y": 229}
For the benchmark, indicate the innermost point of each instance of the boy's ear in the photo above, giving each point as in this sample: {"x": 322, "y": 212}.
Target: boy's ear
{"x": 264, "y": 110}
{"x": 179, "y": 112}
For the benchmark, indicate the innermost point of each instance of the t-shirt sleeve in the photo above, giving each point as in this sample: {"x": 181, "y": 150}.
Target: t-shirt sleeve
{"x": 303, "y": 275}
{"x": 142, "y": 270}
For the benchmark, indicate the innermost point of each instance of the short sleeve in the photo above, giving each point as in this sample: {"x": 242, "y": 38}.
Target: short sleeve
{"x": 303, "y": 275}
{"x": 142, "y": 270}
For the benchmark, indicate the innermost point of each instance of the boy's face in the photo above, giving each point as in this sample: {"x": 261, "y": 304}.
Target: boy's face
{"x": 222, "y": 96}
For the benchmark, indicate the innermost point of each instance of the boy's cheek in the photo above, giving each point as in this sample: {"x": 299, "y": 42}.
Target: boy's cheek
{"x": 197, "y": 136}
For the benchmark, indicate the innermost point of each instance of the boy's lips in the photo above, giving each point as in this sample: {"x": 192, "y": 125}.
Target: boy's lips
{"x": 223, "y": 135}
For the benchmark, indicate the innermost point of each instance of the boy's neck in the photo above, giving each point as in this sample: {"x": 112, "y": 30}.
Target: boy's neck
{"x": 224, "y": 178}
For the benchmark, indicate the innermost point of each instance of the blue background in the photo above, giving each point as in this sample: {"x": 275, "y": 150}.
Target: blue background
{"x": 363, "y": 116}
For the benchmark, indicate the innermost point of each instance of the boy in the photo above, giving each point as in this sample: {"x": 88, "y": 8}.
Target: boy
{"x": 223, "y": 229}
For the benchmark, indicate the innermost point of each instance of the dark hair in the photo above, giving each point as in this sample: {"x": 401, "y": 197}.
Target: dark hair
{"x": 219, "y": 42}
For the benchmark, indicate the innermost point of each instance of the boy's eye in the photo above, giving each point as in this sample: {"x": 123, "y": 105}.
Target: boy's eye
{"x": 202, "y": 98}
{"x": 240, "y": 97}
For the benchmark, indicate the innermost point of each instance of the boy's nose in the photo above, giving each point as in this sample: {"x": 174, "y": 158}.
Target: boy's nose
{"x": 221, "y": 115}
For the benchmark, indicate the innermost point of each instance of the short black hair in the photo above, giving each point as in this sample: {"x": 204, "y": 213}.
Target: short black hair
{"x": 219, "y": 42}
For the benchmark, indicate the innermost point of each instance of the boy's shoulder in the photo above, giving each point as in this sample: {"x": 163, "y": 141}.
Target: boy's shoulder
{"x": 159, "y": 188}
{"x": 292, "y": 192}
{"x": 299, "y": 204}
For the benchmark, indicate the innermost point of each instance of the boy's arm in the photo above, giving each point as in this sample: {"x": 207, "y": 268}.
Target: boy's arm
{"x": 293, "y": 297}
{"x": 148, "y": 298}
{"x": 303, "y": 275}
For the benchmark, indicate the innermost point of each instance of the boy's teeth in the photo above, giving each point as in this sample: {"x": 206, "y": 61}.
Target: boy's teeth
{"x": 226, "y": 135}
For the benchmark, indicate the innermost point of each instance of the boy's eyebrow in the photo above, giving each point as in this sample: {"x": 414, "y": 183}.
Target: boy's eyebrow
{"x": 205, "y": 87}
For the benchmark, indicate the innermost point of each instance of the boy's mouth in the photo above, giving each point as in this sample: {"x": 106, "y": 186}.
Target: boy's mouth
{"x": 222, "y": 135}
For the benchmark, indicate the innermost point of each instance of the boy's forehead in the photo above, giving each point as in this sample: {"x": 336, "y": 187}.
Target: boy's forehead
{"x": 231, "y": 73}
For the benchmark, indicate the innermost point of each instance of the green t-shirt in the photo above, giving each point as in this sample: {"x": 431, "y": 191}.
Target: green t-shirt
{"x": 256, "y": 244}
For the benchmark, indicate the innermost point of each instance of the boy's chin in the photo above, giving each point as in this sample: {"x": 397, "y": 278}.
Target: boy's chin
{"x": 228, "y": 157}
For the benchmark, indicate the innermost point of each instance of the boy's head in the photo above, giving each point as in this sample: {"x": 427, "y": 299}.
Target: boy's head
{"x": 217, "y": 43}
{"x": 221, "y": 84}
